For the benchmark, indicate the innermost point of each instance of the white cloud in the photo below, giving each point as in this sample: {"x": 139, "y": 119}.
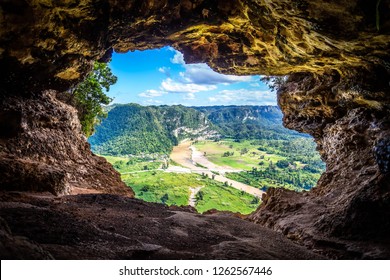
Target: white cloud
{"x": 151, "y": 93}
{"x": 255, "y": 85}
{"x": 170, "y": 85}
{"x": 178, "y": 58}
{"x": 189, "y": 96}
{"x": 152, "y": 102}
{"x": 165, "y": 70}
{"x": 195, "y": 78}
{"x": 244, "y": 96}
{"x": 202, "y": 74}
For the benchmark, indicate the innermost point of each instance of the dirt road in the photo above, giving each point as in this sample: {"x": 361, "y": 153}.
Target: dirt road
{"x": 186, "y": 155}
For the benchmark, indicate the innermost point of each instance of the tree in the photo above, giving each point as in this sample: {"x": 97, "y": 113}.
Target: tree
{"x": 255, "y": 200}
{"x": 89, "y": 96}
{"x": 282, "y": 163}
{"x": 199, "y": 195}
{"x": 164, "y": 198}
{"x": 243, "y": 151}
{"x": 274, "y": 82}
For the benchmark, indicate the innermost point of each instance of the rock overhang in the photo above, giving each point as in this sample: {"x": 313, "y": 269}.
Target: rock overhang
{"x": 336, "y": 55}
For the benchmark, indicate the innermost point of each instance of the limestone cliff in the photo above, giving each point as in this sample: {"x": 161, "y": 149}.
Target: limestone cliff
{"x": 337, "y": 56}
{"x": 351, "y": 200}
{"x": 43, "y": 149}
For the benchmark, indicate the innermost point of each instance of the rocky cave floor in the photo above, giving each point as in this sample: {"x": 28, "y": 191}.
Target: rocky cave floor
{"x": 102, "y": 226}
{"x": 105, "y": 226}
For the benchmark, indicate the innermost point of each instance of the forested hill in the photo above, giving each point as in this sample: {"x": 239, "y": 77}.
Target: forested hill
{"x": 248, "y": 122}
{"x": 135, "y": 129}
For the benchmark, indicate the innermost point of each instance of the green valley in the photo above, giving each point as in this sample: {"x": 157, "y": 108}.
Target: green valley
{"x": 230, "y": 151}
{"x": 293, "y": 164}
{"x": 132, "y": 129}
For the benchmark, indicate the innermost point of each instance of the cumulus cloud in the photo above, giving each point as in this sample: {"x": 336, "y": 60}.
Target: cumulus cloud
{"x": 189, "y": 96}
{"x": 165, "y": 70}
{"x": 202, "y": 74}
{"x": 195, "y": 78}
{"x": 151, "y": 93}
{"x": 178, "y": 58}
{"x": 244, "y": 96}
{"x": 169, "y": 85}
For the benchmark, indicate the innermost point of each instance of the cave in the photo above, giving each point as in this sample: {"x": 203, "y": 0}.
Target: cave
{"x": 336, "y": 56}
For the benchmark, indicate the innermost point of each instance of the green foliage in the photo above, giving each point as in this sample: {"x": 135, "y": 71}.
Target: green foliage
{"x": 274, "y": 82}
{"x": 225, "y": 198}
{"x": 127, "y": 164}
{"x": 199, "y": 196}
{"x": 294, "y": 164}
{"x": 282, "y": 163}
{"x": 161, "y": 187}
{"x": 200, "y": 165}
{"x": 248, "y": 122}
{"x": 243, "y": 151}
{"x": 228, "y": 154}
{"x": 255, "y": 200}
{"x": 164, "y": 198}
{"x": 160, "y": 127}
{"x": 89, "y": 96}
{"x": 133, "y": 129}
{"x": 174, "y": 189}
{"x": 271, "y": 156}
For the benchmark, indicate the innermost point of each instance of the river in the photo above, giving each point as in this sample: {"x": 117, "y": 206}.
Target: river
{"x": 188, "y": 156}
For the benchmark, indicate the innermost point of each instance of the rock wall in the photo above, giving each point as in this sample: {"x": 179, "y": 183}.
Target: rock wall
{"x": 351, "y": 125}
{"x": 42, "y": 149}
{"x": 336, "y": 53}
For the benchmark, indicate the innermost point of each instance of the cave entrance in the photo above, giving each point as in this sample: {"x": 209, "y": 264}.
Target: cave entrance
{"x": 182, "y": 134}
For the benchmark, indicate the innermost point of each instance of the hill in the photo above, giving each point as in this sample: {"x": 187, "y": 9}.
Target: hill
{"x": 135, "y": 129}
{"x": 248, "y": 122}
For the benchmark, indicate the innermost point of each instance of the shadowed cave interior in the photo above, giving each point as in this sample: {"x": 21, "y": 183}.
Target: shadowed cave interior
{"x": 58, "y": 200}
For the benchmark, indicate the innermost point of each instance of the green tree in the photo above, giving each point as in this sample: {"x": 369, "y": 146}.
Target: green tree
{"x": 255, "y": 200}
{"x": 274, "y": 82}
{"x": 282, "y": 163}
{"x": 243, "y": 151}
{"x": 164, "y": 198}
{"x": 199, "y": 195}
{"x": 89, "y": 96}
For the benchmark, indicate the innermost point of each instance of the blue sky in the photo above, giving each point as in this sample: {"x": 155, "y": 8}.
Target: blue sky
{"x": 157, "y": 77}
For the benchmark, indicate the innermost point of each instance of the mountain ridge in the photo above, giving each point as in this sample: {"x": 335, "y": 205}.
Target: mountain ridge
{"x": 135, "y": 129}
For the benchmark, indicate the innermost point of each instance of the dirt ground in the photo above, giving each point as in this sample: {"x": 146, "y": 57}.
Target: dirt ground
{"x": 102, "y": 226}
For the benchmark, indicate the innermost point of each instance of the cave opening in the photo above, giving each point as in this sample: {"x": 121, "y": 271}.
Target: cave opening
{"x": 336, "y": 56}
{"x": 182, "y": 134}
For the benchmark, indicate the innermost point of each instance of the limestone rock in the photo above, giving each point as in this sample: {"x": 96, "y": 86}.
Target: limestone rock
{"x": 101, "y": 226}
{"x": 337, "y": 56}
{"x": 44, "y": 150}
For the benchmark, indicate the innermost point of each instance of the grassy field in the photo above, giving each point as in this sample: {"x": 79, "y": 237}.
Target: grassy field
{"x": 174, "y": 189}
{"x": 237, "y": 159}
{"x": 217, "y": 196}
{"x": 291, "y": 164}
{"x": 127, "y": 164}
{"x": 280, "y": 164}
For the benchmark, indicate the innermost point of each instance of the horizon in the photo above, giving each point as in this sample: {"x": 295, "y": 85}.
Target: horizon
{"x": 188, "y": 106}
{"x": 161, "y": 77}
